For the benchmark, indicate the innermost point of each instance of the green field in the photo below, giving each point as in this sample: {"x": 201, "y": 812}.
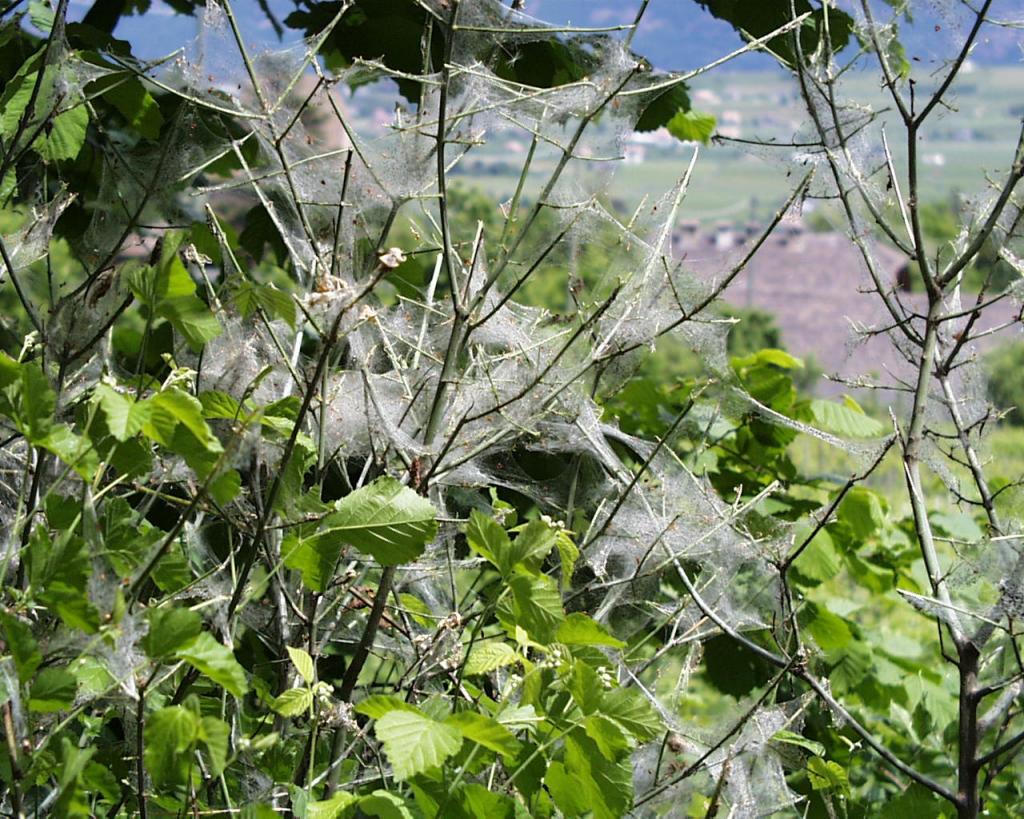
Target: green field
{"x": 959, "y": 149}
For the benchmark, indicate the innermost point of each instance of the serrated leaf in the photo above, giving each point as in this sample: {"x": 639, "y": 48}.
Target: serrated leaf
{"x": 26, "y": 397}
{"x": 487, "y": 538}
{"x": 58, "y": 573}
{"x": 384, "y": 519}
{"x": 303, "y": 663}
{"x": 414, "y": 743}
{"x": 125, "y": 416}
{"x": 692, "y": 126}
{"x": 484, "y": 731}
{"x": 536, "y": 606}
{"x": 218, "y": 404}
{"x": 168, "y": 289}
{"x": 568, "y": 554}
{"x": 169, "y": 734}
{"x": 662, "y": 108}
{"x": 489, "y": 656}
{"x": 826, "y": 775}
{"x": 217, "y": 662}
{"x": 53, "y": 689}
{"x": 41, "y": 15}
{"x": 829, "y": 631}
{"x": 385, "y": 805}
{"x": 478, "y": 800}
{"x": 171, "y": 630}
{"x": 21, "y": 644}
{"x": 579, "y": 629}
{"x": 590, "y": 783}
{"x": 532, "y": 545}
{"x": 333, "y": 808}
{"x": 130, "y": 97}
{"x": 294, "y": 702}
{"x": 378, "y": 705}
{"x": 520, "y": 718}
{"x": 819, "y": 561}
{"x": 314, "y": 558}
{"x": 861, "y": 513}
{"x": 214, "y": 734}
{"x": 607, "y": 735}
{"x": 64, "y": 137}
{"x": 275, "y": 303}
{"x": 844, "y": 420}
{"x": 790, "y": 738}
{"x": 172, "y": 407}
{"x": 634, "y": 713}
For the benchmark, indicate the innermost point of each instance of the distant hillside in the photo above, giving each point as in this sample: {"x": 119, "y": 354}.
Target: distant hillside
{"x": 675, "y": 34}
{"x": 679, "y": 34}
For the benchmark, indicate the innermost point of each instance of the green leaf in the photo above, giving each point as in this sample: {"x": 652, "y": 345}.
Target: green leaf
{"x": 662, "y": 108}
{"x": 861, "y": 513}
{"x": 489, "y": 656}
{"x": 852, "y": 666}
{"x": 275, "y": 303}
{"x": 633, "y": 712}
{"x": 168, "y": 289}
{"x": 217, "y": 662}
{"x": 41, "y": 15}
{"x": 477, "y": 800}
{"x": 486, "y": 537}
{"x": 314, "y": 558}
{"x": 303, "y": 664}
{"x": 532, "y": 545}
{"x": 844, "y": 420}
{"x": 53, "y": 689}
{"x": 214, "y": 734}
{"x": 21, "y": 644}
{"x": 385, "y": 805}
{"x": 826, "y": 775}
{"x": 607, "y": 735}
{"x": 64, "y": 136}
{"x": 566, "y": 790}
{"x": 59, "y": 573}
{"x": 766, "y": 16}
{"x": 819, "y": 561}
{"x": 536, "y": 606}
{"x": 916, "y": 801}
{"x": 76, "y": 451}
{"x": 829, "y": 631}
{"x": 774, "y": 357}
{"x": 27, "y": 398}
{"x": 8, "y": 186}
{"x": 378, "y": 705}
{"x": 520, "y": 718}
{"x": 579, "y": 629}
{"x": 384, "y": 519}
{"x": 568, "y": 553}
{"x": 171, "y": 630}
{"x": 590, "y": 783}
{"x": 485, "y": 731}
{"x": 415, "y": 743}
{"x": 692, "y": 126}
{"x": 172, "y": 407}
{"x": 217, "y": 404}
{"x": 294, "y": 702}
{"x": 128, "y": 95}
{"x": 790, "y": 738}
{"x": 169, "y": 736}
{"x": 336, "y": 807}
{"x": 125, "y": 416}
